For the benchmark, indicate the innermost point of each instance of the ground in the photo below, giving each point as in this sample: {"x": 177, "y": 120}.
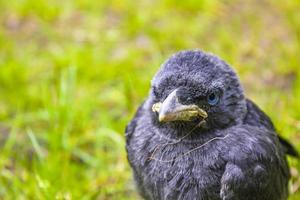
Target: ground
{"x": 72, "y": 73}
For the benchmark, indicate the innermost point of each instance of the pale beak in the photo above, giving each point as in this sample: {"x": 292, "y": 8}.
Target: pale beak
{"x": 172, "y": 110}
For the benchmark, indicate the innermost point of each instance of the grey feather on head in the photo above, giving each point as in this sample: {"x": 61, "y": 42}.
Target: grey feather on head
{"x": 194, "y": 84}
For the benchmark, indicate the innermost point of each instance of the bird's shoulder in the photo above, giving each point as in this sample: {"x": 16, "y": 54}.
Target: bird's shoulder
{"x": 256, "y": 167}
{"x": 248, "y": 142}
{"x": 131, "y": 126}
{"x": 256, "y": 117}
{"x": 256, "y": 181}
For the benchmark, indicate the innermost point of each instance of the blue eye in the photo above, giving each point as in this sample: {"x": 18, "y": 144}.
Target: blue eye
{"x": 213, "y": 98}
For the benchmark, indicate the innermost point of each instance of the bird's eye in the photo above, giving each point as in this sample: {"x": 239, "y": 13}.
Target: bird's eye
{"x": 213, "y": 98}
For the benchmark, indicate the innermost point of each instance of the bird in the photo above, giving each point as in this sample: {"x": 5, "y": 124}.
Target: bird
{"x": 198, "y": 137}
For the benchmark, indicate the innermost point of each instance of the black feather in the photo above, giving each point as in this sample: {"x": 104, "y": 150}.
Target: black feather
{"x": 237, "y": 155}
{"x": 256, "y": 117}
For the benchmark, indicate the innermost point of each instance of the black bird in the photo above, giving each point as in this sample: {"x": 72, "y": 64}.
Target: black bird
{"x": 197, "y": 137}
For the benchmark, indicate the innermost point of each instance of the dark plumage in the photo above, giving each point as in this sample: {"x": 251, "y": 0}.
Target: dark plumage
{"x": 198, "y": 137}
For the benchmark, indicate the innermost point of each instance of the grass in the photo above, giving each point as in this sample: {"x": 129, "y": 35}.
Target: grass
{"x": 72, "y": 74}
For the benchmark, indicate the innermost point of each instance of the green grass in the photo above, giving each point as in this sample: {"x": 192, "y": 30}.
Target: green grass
{"x": 72, "y": 74}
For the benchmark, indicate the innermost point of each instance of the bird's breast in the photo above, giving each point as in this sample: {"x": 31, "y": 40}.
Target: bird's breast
{"x": 171, "y": 167}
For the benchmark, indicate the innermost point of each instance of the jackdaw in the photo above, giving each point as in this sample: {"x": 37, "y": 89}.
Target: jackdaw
{"x": 197, "y": 137}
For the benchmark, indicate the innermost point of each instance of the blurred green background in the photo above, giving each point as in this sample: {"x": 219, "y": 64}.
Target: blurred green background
{"x": 72, "y": 74}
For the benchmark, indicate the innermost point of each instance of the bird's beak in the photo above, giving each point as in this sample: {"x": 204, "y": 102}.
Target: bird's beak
{"x": 172, "y": 110}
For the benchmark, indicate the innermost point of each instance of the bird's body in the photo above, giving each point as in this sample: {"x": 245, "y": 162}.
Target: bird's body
{"x": 235, "y": 155}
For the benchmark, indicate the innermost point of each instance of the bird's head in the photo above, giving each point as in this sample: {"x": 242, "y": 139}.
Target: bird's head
{"x": 193, "y": 87}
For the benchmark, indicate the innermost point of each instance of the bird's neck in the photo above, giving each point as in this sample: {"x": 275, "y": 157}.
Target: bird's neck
{"x": 186, "y": 133}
